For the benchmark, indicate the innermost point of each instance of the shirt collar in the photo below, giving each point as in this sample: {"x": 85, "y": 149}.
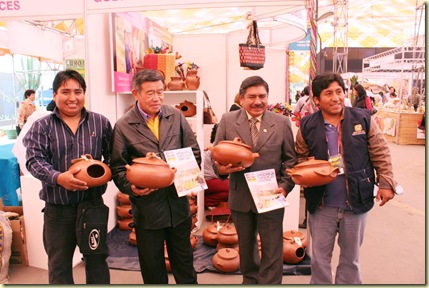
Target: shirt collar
{"x": 250, "y": 117}
{"x": 144, "y": 114}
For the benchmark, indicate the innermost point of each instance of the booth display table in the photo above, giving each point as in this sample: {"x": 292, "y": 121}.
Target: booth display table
{"x": 9, "y": 178}
{"x": 400, "y": 127}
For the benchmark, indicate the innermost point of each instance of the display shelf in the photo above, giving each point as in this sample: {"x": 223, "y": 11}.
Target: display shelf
{"x": 174, "y": 98}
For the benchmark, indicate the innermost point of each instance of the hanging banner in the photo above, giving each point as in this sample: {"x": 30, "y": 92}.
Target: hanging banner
{"x": 31, "y": 9}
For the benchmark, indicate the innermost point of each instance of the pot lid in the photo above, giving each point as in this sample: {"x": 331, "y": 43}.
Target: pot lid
{"x": 228, "y": 230}
{"x": 227, "y": 253}
{"x": 292, "y": 233}
{"x": 150, "y": 159}
{"x": 313, "y": 163}
{"x": 213, "y": 228}
{"x": 237, "y": 141}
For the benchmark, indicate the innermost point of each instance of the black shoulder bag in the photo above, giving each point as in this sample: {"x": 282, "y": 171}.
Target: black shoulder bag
{"x": 91, "y": 225}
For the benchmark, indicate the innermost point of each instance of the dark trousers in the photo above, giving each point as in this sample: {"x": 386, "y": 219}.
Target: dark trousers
{"x": 59, "y": 240}
{"x": 150, "y": 246}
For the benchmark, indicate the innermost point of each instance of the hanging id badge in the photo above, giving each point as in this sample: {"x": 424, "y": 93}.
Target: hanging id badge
{"x": 337, "y": 161}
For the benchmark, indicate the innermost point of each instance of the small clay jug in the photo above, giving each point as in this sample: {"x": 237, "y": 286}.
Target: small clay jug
{"x": 192, "y": 80}
{"x": 313, "y": 172}
{"x": 188, "y": 108}
{"x": 125, "y": 224}
{"x": 227, "y": 235}
{"x": 123, "y": 199}
{"x": 176, "y": 84}
{"x": 150, "y": 172}
{"x": 210, "y": 235}
{"x": 293, "y": 251}
{"x": 226, "y": 260}
{"x": 132, "y": 237}
{"x": 93, "y": 172}
{"x": 233, "y": 152}
{"x": 124, "y": 211}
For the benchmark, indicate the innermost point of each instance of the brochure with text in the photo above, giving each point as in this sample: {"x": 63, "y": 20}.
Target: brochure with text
{"x": 189, "y": 178}
{"x": 262, "y": 185}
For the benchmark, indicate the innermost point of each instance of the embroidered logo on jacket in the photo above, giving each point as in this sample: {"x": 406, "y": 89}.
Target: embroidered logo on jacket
{"x": 358, "y": 130}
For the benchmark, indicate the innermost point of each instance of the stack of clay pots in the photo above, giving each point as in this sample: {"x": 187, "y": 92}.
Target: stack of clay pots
{"x": 125, "y": 217}
{"x": 194, "y": 209}
{"x": 294, "y": 244}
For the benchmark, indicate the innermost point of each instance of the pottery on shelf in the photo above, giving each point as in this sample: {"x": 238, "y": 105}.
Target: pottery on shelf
{"x": 233, "y": 152}
{"x": 192, "y": 80}
{"x": 176, "y": 84}
{"x": 93, "y": 172}
{"x": 150, "y": 172}
{"x": 188, "y": 108}
{"x": 313, "y": 172}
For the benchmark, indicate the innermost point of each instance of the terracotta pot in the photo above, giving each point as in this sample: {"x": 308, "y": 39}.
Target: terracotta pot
{"x": 293, "y": 233}
{"x": 194, "y": 222}
{"x": 293, "y": 252}
{"x": 124, "y": 211}
{"x": 192, "y": 80}
{"x": 93, "y": 172}
{"x": 210, "y": 235}
{"x": 150, "y": 172}
{"x": 221, "y": 246}
{"x": 313, "y": 173}
{"x": 233, "y": 152}
{"x": 193, "y": 209}
{"x": 123, "y": 198}
{"x": 188, "y": 108}
{"x": 125, "y": 224}
{"x": 227, "y": 235}
{"x": 194, "y": 241}
{"x": 132, "y": 237}
{"x": 176, "y": 84}
{"x": 226, "y": 260}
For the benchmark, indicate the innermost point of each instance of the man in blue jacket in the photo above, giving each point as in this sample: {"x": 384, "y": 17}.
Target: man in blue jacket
{"x": 351, "y": 140}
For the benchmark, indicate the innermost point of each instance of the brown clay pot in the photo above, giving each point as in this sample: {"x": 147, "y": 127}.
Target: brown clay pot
{"x": 220, "y": 246}
{"x": 227, "y": 235}
{"x": 192, "y": 80}
{"x": 194, "y": 221}
{"x": 93, "y": 172}
{"x": 293, "y": 252}
{"x": 293, "y": 233}
{"x": 194, "y": 241}
{"x": 176, "y": 84}
{"x": 132, "y": 237}
{"x": 313, "y": 173}
{"x": 125, "y": 224}
{"x": 226, "y": 260}
{"x": 233, "y": 152}
{"x": 188, "y": 108}
{"x": 123, "y": 198}
{"x": 124, "y": 211}
{"x": 150, "y": 172}
{"x": 210, "y": 235}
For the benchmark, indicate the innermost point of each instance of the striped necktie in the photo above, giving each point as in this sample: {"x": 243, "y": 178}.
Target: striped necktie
{"x": 254, "y": 130}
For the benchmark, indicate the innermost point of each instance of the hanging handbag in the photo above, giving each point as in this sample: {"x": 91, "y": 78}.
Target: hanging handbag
{"x": 91, "y": 225}
{"x": 208, "y": 113}
{"x": 252, "y": 53}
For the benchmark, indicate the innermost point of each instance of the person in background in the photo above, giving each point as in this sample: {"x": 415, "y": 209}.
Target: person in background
{"x": 217, "y": 189}
{"x": 236, "y": 105}
{"x": 350, "y": 139}
{"x": 415, "y": 98}
{"x": 347, "y": 101}
{"x": 304, "y": 100}
{"x": 391, "y": 94}
{"x": 26, "y": 108}
{"x": 51, "y": 106}
{"x": 52, "y": 143}
{"x": 159, "y": 215}
{"x": 297, "y": 95}
{"x": 360, "y": 96}
{"x": 275, "y": 148}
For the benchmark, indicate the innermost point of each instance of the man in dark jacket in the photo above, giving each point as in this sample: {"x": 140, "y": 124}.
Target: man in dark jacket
{"x": 351, "y": 140}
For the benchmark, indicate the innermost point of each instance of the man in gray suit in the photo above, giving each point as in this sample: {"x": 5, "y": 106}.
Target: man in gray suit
{"x": 275, "y": 145}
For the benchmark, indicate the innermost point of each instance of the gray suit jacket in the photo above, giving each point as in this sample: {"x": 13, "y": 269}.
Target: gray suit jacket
{"x": 275, "y": 147}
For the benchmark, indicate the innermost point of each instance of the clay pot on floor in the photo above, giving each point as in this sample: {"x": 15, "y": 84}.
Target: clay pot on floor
{"x": 94, "y": 172}
{"x": 227, "y": 235}
{"x": 123, "y": 199}
{"x": 125, "y": 224}
{"x": 226, "y": 260}
{"x": 293, "y": 251}
{"x": 210, "y": 235}
{"x": 221, "y": 246}
{"x": 233, "y": 152}
{"x": 124, "y": 211}
{"x": 132, "y": 239}
{"x": 194, "y": 221}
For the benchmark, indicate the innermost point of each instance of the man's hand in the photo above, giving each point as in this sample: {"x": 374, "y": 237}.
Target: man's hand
{"x": 68, "y": 181}
{"x": 384, "y": 195}
{"x": 138, "y": 191}
{"x": 228, "y": 169}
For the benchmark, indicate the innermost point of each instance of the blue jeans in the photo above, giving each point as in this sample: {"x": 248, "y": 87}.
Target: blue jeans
{"x": 59, "y": 240}
{"x": 324, "y": 224}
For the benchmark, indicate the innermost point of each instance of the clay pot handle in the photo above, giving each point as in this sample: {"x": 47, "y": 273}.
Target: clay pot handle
{"x": 174, "y": 169}
{"x": 128, "y": 167}
{"x": 86, "y": 157}
{"x": 255, "y": 155}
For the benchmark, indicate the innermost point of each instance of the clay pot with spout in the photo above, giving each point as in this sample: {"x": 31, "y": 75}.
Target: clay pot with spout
{"x": 210, "y": 235}
{"x": 233, "y": 152}
{"x": 293, "y": 233}
{"x": 93, "y": 172}
{"x": 188, "y": 108}
{"x": 313, "y": 172}
{"x": 227, "y": 235}
{"x": 150, "y": 172}
{"x": 293, "y": 251}
{"x": 226, "y": 260}
{"x": 192, "y": 80}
